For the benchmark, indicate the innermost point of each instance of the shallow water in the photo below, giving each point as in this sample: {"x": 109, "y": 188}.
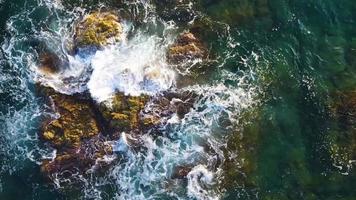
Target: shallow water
{"x": 263, "y": 126}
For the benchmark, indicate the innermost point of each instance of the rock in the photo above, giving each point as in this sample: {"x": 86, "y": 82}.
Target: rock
{"x": 90, "y": 155}
{"x": 186, "y": 47}
{"x": 76, "y": 122}
{"x": 162, "y": 108}
{"x": 50, "y": 63}
{"x": 98, "y": 29}
{"x": 181, "y": 172}
{"x": 75, "y": 134}
{"x": 122, "y": 113}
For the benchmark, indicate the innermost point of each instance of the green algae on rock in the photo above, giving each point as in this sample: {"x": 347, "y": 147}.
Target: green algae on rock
{"x": 98, "y": 29}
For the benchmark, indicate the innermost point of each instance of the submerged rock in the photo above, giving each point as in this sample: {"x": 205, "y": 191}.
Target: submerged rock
{"x": 239, "y": 12}
{"x": 98, "y": 29}
{"x": 186, "y": 47}
{"x": 342, "y": 136}
{"x": 176, "y": 10}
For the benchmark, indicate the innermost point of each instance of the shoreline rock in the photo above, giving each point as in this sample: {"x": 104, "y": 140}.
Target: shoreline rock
{"x": 187, "y": 47}
{"x": 98, "y": 29}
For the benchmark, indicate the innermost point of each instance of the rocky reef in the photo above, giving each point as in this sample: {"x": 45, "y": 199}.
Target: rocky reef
{"x": 76, "y": 122}
{"x": 81, "y": 130}
{"x": 122, "y": 112}
{"x": 186, "y": 47}
{"x": 74, "y": 133}
{"x": 98, "y": 29}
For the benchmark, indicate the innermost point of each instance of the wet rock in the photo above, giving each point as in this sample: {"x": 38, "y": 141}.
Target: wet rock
{"x": 50, "y": 63}
{"x": 74, "y": 133}
{"x": 181, "y": 172}
{"x": 76, "y": 122}
{"x": 90, "y": 155}
{"x": 122, "y": 113}
{"x": 165, "y": 107}
{"x": 186, "y": 47}
{"x": 98, "y": 29}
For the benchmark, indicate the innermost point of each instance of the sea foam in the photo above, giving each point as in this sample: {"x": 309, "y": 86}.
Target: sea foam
{"x": 135, "y": 67}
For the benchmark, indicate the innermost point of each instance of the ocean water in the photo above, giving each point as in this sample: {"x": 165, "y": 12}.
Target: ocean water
{"x": 264, "y": 125}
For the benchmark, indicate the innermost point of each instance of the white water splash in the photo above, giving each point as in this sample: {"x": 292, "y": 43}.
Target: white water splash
{"x": 200, "y": 179}
{"x": 136, "y": 67}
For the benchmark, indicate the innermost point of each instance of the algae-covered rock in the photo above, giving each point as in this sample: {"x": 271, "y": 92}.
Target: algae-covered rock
{"x": 75, "y": 135}
{"x": 76, "y": 122}
{"x": 98, "y": 29}
{"x": 122, "y": 112}
{"x": 186, "y": 47}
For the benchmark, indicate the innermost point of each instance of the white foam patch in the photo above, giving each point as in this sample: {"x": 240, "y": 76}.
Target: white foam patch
{"x": 200, "y": 179}
{"x": 135, "y": 67}
{"x": 71, "y": 80}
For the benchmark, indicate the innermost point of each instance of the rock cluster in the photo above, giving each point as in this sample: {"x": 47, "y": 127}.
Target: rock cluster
{"x": 81, "y": 131}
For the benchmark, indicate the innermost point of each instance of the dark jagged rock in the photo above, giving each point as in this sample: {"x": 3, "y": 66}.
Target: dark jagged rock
{"x": 50, "y": 63}
{"x": 91, "y": 154}
{"x": 163, "y": 107}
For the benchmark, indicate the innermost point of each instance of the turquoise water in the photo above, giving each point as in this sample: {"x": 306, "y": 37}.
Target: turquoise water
{"x": 278, "y": 70}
